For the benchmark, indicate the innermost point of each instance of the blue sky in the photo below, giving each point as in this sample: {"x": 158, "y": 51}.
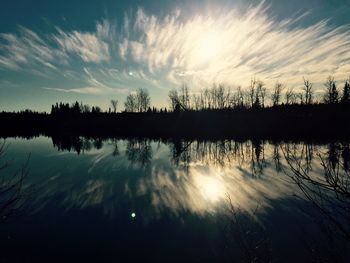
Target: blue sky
{"x": 93, "y": 51}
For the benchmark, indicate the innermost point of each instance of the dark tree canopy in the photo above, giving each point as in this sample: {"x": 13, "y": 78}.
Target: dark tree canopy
{"x": 346, "y": 93}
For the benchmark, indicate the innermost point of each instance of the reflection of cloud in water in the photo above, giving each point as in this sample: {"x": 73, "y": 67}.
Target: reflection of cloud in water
{"x": 96, "y": 159}
{"x": 60, "y": 153}
{"x": 206, "y": 188}
{"x": 94, "y": 192}
{"x": 198, "y": 180}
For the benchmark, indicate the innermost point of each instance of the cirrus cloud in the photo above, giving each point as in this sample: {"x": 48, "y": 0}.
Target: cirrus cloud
{"x": 232, "y": 47}
{"x": 27, "y": 47}
{"x": 225, "y": 46}
{"x": 86, "y": 45}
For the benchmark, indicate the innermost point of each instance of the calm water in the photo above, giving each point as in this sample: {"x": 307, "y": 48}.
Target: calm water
{"x": 181, "y": 201}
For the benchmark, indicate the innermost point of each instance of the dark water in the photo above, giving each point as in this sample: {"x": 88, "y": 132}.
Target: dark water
{"x": 175, "y": 201}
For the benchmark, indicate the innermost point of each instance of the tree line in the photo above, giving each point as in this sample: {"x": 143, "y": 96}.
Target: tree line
{"x": 138, "y": 101}
{"x": 221, "y": 97}
{"x": 256, "y": 96}
{"x": 75, "y": 108}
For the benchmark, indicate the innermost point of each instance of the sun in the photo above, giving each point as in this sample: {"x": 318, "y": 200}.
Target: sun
{"x": 208, "y": 47}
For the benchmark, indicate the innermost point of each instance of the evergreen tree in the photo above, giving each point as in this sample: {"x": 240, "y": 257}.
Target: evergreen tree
{"x": 346, "y": 93}
{"x": 257, "y": 103}
{"x": 331, "y": 96}
{"x": 334, "y": 94}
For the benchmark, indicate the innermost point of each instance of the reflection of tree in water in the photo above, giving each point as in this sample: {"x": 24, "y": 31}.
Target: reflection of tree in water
{"x": 181, "y": 153}
{"x": 329, "y": 192}
{"x": 257, "y": 162}
{"x": 98, "y": 143}
{"x": 139, "y": 151}
{"x": 13, "y": 195}
{"x": 277, "y": 157}
{"x": 116, "y": 148}
{"x": 86, "y": 145}
{"x": 326, "y": 187}
{"x": 324, "y": 184}
{"x": 346, "y": 157}
{"x": 220, "y": 153}
{"x": 245, "y": 239}
{"x": 334, "y": 154}
{"x": 76, "y": 143}
{"x": 67, "y": 143}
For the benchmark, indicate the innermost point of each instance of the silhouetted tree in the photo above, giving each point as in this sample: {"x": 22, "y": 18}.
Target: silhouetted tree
{"x": 346, "y": 92}
{"x": 174, "y": 98}
{"x": 308, "y": 92}
{"x": 65, "y": 109}
{"x": 220, "y": 97}
{"x": 251, "y": 91}
{"x": 184, "y": 97}
{"x": 76, "y": 108}
{"x": 196, "y": 104}
{"x": 300, "y": 97}
{"x": 96, "y": 109}
{"x": 290, "y": 96}
{"x": 85, "y": 108}
{"x": 257, "y": 101}
{"x": 240, "y": 97}
{"x": 114, "y": 104}
{"x": 206, "y": 99}
{"x": 261, "y": 92}
{"x": 277, "y": 93}
{"x": 53, "y": 110}
{"x": 181, "y": 99}
{"x": 177, "y": 108}
{"x": 331, "y": 96}
{"x": 143, "y": 100}
{"x": 130, "y": 103}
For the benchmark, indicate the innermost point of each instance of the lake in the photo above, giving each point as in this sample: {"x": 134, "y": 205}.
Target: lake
{"x": 132, "y": 200}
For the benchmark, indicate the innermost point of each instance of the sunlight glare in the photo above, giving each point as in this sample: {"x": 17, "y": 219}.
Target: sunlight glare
{"x": 209, "y": 46}
{"x": 211, "y": 188}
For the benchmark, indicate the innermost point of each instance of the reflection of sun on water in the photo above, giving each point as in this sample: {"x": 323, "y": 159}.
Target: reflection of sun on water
{"x": 211, "y": 188}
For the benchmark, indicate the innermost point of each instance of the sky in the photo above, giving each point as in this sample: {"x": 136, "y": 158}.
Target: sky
{"x": 95, "y": 51}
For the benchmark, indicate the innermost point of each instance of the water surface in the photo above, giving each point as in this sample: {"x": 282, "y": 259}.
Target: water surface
{"x": 190, "y": 201}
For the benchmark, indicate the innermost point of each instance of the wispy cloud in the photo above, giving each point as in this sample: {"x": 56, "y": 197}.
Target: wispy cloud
{"x": 232, "y": 47}
{"x": 86, "y": 45}
{"x": 5, "y": 62}
{"x": 164, "y": 51}
{"x": 84, "y": 90}
{"x": 27, "y": 47}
